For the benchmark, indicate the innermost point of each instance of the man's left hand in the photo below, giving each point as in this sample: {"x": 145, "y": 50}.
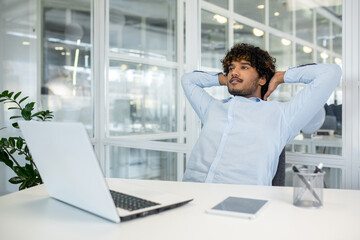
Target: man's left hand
{"x": 277, "y": 79}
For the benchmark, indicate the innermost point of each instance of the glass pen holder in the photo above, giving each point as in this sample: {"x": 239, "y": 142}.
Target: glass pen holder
{"x": 308, "y": 189}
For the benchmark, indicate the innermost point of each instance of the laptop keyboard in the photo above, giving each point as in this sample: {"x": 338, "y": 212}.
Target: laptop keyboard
{"x": 130, "y": 203}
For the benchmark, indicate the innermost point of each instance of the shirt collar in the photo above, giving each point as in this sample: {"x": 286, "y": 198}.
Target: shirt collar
{"x": 255, "y": 99}
{"x": 244, "y": 99}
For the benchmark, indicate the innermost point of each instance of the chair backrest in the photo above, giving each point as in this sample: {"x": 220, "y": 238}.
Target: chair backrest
{"x": 279, "y": 178}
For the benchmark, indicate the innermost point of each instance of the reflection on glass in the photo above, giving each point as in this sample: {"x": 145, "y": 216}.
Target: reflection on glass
{"x": 323, "y": 57}
{"x": 246, "y": 34}
{"x": 304, "y": 54}
{"x": 220, "y": 3}
{"x": 304, "y": 24}
{"x": 333, "y": 125}
{"x": 332, "y": 178}
{"x": 67, "y": 85}
{"x": 254, "y": 9}
{"x": 18, "y": 52}
{"x": 337, "y": 60}
{"x": 281, "y": 49}
{"x": 141, "y": 98}
{"x": 326, "y": 140}
{"x": 173, "y": 140}
{"x": 322, "y": 31}
{"x": 213, "y": 39}
{"x": 337, "y": 38}
{"x": 280, "y": 16}
{"x": 141, "y": 164}
{"x": 146, "y": 28}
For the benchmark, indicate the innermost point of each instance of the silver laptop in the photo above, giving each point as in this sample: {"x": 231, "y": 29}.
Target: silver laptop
{"x": 71, "y": 173}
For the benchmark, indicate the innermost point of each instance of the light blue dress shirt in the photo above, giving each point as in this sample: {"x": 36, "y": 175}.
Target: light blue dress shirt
{"x": 242, "y": 138}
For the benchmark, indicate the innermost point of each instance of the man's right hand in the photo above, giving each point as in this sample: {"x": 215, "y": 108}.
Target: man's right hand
{"x": 277, "y": 79}
{"x": 222, "y": 79}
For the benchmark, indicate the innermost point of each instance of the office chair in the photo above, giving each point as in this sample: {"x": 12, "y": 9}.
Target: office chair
{"x": 279, "y": 178}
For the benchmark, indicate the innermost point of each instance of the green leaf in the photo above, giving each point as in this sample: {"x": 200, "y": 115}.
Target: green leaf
{"x": 10, "y": 94}
{"x": 4, "y": 157}
{"x": 5, "y": 93}
{"x": 15, "y": 125}
{"x": 3, "y": 100}
{"x": 12, "y": 141}
{"x": 17, "y": 95}
{"x": 16, "y": 180}
{"x": 26, "y": 114}
{"x": 11, "y": 108}
{"x": 38, "y": 180}
{"x": 13, "y": 117}
{"x": 38, "y": 177}
{"x": 23, "y": 99}
{"x": 29, "y": 170}
{"x": 20, "y": 171}
{"x": 23, "y": 185}
{"x": 31, "y": 183}
{"x": 19, "y": 143}
{"x": 26, "y": 149}
{"x": 12, "y": 151}
{"x": 30, "y": 106}
{"x": 4, "y": 142}
{"x": 37, "y": 114}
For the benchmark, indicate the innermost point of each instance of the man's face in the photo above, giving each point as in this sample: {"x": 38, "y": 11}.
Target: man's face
{"x": 243, "y": 80}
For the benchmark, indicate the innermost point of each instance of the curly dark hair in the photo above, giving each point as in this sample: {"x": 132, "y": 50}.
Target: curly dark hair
{"x": 258, "y": 58}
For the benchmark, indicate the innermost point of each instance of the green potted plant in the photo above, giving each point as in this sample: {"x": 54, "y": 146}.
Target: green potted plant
{"x": 27, "y": 175}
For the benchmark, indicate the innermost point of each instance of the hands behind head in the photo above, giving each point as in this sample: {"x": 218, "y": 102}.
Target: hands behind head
{"x": 222, "y": 79}
{"x": 277, "y": 79}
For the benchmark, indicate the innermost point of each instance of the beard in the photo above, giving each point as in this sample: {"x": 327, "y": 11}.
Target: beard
{"x": 236, "y": 92}
{"x": 239, "y": 92}
{"x": 244, "y": 92}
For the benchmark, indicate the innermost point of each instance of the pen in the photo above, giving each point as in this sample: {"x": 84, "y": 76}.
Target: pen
{"x": 307, "y": 184}
{"x": 318, "y": 169}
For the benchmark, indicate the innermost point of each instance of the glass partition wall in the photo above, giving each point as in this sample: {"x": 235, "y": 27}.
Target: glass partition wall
{"x": 140, "y": 94}
{"x": 142, "y": 89}
{"x": 115, "y": 66}
{"x": 66, "y": 83}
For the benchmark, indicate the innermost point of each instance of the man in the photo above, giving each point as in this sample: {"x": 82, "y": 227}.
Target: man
{"x": 242, "y": 136}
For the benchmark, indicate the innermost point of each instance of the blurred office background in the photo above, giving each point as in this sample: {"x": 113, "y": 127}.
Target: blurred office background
{"x": 115, "y": 66}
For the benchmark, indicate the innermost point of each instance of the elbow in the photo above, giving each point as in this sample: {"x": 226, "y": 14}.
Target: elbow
{"x": 334, "y": 72}
{"x": 186, "y": 79}
{"x": 337, "y": 73}
{"x": 339, "y": 70}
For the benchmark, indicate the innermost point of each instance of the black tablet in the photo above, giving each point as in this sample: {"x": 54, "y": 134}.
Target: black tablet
{"x": 239, "y": 207}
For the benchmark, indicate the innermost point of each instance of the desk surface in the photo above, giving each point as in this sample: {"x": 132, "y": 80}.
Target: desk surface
{"x": 31, "y": 214}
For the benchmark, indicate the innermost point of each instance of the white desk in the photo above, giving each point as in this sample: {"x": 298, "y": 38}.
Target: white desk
{"x": 31, "y": 214}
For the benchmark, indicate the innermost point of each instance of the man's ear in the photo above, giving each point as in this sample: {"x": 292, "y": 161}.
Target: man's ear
{"x": 262, "y": 81}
